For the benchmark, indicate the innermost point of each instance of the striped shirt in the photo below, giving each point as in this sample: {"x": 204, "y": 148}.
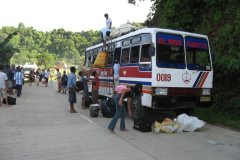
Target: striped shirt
{"x": 18, "y": 77}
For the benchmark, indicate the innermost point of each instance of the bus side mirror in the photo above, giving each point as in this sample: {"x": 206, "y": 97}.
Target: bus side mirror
{"x": 151, "y": 51}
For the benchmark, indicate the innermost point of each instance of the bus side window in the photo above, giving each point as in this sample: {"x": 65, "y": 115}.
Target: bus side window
{"x": 110, "y": 59}
{"x": 144, "y": 53}
{"x": 134, "y": 54}
{"x": 145, "y": 59}
{"x": 89, "y": 61}
{"x": 125, "y": 56}
{"x": 94, "y": 58}
{"x": 117, "y": 53}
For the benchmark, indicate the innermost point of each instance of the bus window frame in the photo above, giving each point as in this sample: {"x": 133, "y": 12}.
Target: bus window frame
{"x": 150, "y": 57}
{"x": 121, "y": 60}
{"x": 130, "y": 54}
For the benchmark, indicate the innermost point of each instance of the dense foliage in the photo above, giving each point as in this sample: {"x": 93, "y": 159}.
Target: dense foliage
{"x": 220, "y": 20}
{"x": 46, "y": 49}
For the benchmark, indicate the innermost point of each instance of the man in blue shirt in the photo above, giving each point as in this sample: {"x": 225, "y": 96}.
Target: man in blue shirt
{"x": 71, "y": 85}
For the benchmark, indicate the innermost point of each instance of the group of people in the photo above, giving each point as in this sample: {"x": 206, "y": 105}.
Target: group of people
{"x": 10, "y": 81}
{"x": 69, "y": 82}
{"x": 72, "y": 88}
{"x": 125, "y": 93}
{"x": 39, "y": 76}
{"x": 62, "y": 80}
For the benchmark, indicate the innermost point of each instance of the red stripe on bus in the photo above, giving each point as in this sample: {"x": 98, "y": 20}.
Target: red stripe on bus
{"x": 200, "y": 80}
{"x": 147, "y": 91}
{"x": 204, "y": 79}
{"x": 134, "y": 73}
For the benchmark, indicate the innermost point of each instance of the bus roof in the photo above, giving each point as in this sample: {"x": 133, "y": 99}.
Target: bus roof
{"x": 151, "y": 30}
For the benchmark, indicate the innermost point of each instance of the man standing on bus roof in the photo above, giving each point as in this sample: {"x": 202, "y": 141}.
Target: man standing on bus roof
{"x": 105, "y": 32}
{"x": 108, "y": 21}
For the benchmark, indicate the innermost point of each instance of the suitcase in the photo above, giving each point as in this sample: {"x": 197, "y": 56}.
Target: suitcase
{"x": 108, "y": 109}
{"x": 94, "y": 108}
{"x": 11, "y": 100}
{"x": 107, "y": 112}
{"x": 143, "y": 125}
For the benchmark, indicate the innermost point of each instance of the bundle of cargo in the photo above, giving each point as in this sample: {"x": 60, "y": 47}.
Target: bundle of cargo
{"x": 101, "y": 60}
{"x": 122, "y": 30}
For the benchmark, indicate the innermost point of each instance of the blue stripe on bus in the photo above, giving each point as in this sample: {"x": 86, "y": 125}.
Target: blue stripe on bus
{"x": 197, "y": 79}
{"x": 106, "y": 80}
{"x": 135, "y": 82}
{"x": 129, "y": 64}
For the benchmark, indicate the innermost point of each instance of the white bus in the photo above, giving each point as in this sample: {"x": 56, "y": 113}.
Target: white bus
{"x": 174, "y": 67}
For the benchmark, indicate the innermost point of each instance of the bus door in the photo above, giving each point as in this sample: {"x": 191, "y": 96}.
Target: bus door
{"x": 116, "y": 57}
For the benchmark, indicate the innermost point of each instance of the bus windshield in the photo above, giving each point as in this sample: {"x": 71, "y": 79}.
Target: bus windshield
{"x": 170, "y": 51}
{"x": 197, "y": 53}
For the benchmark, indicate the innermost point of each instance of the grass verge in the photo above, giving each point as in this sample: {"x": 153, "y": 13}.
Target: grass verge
{"x": 214, "y": 117}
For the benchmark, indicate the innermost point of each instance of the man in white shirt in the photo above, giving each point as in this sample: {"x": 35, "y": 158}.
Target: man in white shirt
{"x": 108, "y": 21}
{"x": 3, "y": 86}
{"x": 18, "y": 78}
{"x": 105, "y": 32}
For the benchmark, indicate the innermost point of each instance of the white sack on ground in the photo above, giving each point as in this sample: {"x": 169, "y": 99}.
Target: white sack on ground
{"x": 190, "y": 123}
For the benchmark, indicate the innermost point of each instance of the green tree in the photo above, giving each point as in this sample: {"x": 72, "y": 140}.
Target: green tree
{"x": 46, "y": 60}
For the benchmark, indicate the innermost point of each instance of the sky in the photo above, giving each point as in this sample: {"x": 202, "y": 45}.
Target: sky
{"x": 71, "y": 15}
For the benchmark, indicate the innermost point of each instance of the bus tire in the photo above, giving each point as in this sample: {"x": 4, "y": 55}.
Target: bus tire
{"x": 136, "y": 108}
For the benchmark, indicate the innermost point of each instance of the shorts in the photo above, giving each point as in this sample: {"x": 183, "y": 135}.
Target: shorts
{"x": 3, "y": 93}
{"x": 46, "y": 79}
{"x": 72, "y": 97}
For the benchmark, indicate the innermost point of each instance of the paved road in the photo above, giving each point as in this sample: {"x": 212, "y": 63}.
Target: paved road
{"x": 40, "y": 127}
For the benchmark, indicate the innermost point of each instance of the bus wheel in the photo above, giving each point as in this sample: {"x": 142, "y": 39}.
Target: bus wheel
{"x": 136, "y": 108}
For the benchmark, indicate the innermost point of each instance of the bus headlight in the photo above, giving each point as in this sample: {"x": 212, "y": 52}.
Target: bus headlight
{"x": 161, "y": 91}
{"x": 206, "y": 91}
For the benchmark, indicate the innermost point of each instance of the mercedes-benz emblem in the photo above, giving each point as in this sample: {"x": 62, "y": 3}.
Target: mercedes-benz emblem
{"x": 186, "y": 77}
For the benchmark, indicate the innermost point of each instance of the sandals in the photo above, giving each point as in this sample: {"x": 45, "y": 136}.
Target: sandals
{"x": 73, "y": 111}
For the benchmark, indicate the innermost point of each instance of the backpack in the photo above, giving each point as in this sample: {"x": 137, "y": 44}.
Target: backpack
{"x": 108, "y": 108}
{"x": 11, "y": 100}
{"x": 80, "y": 85}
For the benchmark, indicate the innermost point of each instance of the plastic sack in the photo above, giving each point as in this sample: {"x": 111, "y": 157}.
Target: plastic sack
{"x": 156, "y": 126}
{"x": 101, "y": 60}
{"x": 167, "y": 126}
{"x": 120, "y": 88}
{"x": 190, "y": 123}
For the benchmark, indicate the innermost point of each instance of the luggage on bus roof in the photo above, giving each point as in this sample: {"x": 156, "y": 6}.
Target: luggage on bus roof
{"x": 123, "y": 29}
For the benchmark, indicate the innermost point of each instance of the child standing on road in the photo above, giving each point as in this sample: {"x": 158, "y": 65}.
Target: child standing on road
{"x": 64, "y": 82}
{"x": 95, "y": 87}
